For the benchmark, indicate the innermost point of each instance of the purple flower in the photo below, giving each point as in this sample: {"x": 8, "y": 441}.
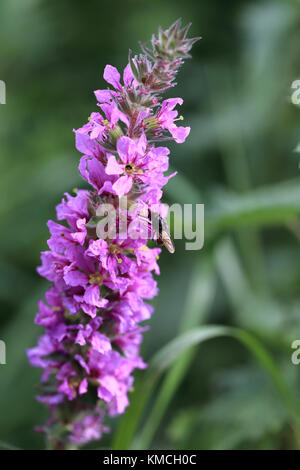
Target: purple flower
{"x": 87, "y": 429}
{"x": 112, "y": 77}
{"x": 93, "y": 171}
{"x": 166, "y": 117}
{"x": 137, "y": 164}
{"x": 101, "y": 287}
{"x": 132, "y": 163}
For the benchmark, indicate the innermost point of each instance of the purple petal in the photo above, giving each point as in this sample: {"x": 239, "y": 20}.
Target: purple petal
{"x": 125, "y": 147}
{"x": 123, "y": 185}
{"x": 108, "y": 388}
{"x": 92, "y": 296}
{"x": 100, "y": 343}
{"x": 172, "y": 102}
{"x": 128, "y": 76}
{"x": 97, "y": 248}
{"x": 112, "y": 76}
{"x": 103, "y": 96}
{"x": 83, "y": 387}
{"x": 113, "y": 167}
{"x": 75, "y": 278}
{"x": 179, "y": 133}
{"x": 141, "y": 144}
{"x": 86, "y": 145}
{"x": 80, "y": 338}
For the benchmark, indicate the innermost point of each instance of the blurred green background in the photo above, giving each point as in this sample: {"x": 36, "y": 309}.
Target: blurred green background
{"x": 239, "y": 160}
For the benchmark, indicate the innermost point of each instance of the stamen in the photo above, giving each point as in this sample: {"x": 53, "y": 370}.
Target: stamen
{"x": 96, "y": 278}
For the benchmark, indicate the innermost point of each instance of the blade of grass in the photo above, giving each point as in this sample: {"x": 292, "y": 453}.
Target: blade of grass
{"x": 173, "y": 350}
{"x": 258, "y": 312}
{"x": 270, "y": 205}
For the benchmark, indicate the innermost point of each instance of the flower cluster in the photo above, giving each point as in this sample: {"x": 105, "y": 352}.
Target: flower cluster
{"x": 93, "y": 311}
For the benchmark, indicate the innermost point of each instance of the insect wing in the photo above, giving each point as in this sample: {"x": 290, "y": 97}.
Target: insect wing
{"x": 167, "y": 241}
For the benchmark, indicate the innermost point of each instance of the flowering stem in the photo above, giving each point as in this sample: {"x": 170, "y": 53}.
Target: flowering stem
{"x": 101, "y": 281}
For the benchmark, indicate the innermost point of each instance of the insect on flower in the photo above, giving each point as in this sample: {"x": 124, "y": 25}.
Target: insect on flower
{"x": 160, "y": 230}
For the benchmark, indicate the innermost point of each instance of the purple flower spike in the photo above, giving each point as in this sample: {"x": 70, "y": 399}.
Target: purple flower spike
{"x": 101, "y": 285}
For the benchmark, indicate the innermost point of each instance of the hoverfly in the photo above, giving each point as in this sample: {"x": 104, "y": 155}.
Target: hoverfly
{"x": 159, "y": 227}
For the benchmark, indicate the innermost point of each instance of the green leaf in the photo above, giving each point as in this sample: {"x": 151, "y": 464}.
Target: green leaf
{"x": 270, "y": 205}
{"x": 133, "y": 67}
{"x": 172, "y": 351}
{"x": 265, "y": 206}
